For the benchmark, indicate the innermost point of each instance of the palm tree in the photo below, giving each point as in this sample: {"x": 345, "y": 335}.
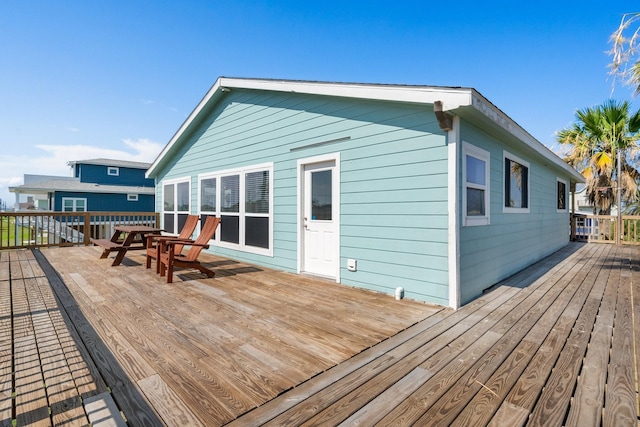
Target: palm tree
{"x": 625, "y": 62}
{"x": 599, "y": 135}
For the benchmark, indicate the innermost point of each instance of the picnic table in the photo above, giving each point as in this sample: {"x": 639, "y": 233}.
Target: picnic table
{"x": 135, "y": 239}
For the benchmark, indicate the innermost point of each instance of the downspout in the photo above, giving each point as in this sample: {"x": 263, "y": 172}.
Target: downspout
{"x": 572, "y": 187}
{"x": 451, "y": 125}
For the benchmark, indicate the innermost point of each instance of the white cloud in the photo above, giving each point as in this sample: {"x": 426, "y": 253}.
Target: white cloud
{"x": 52, "y": 160}
{"x": 146, "y": 150}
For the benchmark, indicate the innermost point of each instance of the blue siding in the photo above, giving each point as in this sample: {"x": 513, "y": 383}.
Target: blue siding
{"x": 512, "y": 241}
{"x": 98, "y": 174}
{"x": 108, "y": 202}
{"x": 393, "y": 180}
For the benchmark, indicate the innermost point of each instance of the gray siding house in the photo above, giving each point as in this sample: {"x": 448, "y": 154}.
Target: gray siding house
{"x": 430, "y": 189}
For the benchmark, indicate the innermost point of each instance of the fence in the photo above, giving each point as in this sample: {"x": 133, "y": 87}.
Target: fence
{"x": 38, "y": 229}
{"x": 603, "y": 229}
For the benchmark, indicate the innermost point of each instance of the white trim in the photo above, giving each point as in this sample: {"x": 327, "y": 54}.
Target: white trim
{"x": 512, "y": 157}
{"x": 132, "y": 197}
{"x": 453, "y": 248}
{"x": 301, "y": 163}
{"x": 176, "y": 212}
{"x": 241, "y": 172}
{"x": 480, "y": 154}
{"x": 75, "y": 207}
{"x": 566, "y": 195}
{"x": 113, "y": 171}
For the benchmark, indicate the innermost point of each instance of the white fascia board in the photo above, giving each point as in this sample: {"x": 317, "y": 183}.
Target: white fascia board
{"x": 451, "y": 98}
{"x": 489, "y": 110}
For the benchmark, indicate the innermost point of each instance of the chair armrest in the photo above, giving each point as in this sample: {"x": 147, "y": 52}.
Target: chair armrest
{"x": 187, "y": 242}
{"x": 177, "y": 241}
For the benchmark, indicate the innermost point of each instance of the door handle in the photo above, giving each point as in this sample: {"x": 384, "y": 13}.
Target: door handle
{"x": 306, "y": 224}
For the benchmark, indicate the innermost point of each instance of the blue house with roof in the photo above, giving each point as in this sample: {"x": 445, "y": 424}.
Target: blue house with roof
{"x": 433, "y": 190}
{"x": 104, "y": 185}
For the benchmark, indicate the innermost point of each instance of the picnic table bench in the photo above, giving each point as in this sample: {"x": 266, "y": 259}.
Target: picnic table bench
{"x": 135, "y": 239}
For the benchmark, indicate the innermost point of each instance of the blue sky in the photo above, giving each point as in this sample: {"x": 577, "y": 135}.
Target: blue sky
{"x": 116, "y": 79}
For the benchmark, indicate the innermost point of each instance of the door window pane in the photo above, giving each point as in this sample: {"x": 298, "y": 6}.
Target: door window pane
{"x": 321, "y": 196}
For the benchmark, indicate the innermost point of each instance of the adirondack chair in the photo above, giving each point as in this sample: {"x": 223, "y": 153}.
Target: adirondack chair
{"x": 155, "y": 242}
{"x": 169, "y": 258}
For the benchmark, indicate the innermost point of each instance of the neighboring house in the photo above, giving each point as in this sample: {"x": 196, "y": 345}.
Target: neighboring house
{"x": 583, "y": 205}
{"x": 97, "y": 185}
{"x": 431, "y": 189}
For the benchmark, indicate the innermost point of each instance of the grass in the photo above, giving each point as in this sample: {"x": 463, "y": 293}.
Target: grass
{"x": 8, "y": 233}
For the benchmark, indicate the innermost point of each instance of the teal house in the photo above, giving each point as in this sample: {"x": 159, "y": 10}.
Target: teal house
{"x": 433, "y": 190}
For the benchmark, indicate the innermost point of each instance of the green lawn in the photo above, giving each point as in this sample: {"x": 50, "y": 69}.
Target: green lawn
{"x": 8, "y": 235}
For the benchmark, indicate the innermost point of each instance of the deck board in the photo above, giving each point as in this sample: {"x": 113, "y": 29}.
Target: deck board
{"x": 6, "y": 346}
{"x": 554, "y": 344}
{"x": 621, "y": 387}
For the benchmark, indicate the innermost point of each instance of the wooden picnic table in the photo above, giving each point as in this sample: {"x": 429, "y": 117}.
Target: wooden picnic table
{"x": 135, "y": 240}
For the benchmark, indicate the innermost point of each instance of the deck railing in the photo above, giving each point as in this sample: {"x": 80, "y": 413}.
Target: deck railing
{"x": 603, "y": 229}
{"x": 37, "y": 229}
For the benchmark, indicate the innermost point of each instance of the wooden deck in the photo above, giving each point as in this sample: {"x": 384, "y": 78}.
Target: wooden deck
{"x": 81, "y": 341}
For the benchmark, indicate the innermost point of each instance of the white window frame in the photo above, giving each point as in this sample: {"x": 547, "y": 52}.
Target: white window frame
{"x": 113, "y": 170}
{"x": 514, "y": 158}
{"x": 132, "y": 197}
{"x": 175, "y": 212}
{"x": 566, "y": 198}
{"x": 242, "y": 214}
{"x": 485, "y": 156}
{"x": 75, "y": 201}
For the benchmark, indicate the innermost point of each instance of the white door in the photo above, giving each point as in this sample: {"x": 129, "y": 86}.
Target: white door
{"x": 320, "y": 222}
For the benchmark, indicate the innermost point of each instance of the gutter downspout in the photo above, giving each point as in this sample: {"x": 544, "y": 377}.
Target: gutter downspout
{"x": 572, "y": 187}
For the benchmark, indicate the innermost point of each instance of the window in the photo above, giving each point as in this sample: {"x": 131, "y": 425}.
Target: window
{"x": 321, "y": 196}
{"x": 561, "y": 195}
{"x": 475, "y": 182}
{"x": 72, "y": 204}
{"x": 132, "y": 197}
{"x": 242, "y": 199}
{"x": 230, "y": 232}
{"x": 175, "y": 204}
{"x": 113, "y": 171}
{"x": 516, "y": 184}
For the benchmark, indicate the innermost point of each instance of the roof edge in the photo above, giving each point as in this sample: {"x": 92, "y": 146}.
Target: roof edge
{"x": 451, "y": 97}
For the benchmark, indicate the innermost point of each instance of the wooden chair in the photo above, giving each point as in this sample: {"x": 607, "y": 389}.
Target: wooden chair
{"x": 169, "y": 258}
{"x": 156, "y": 241}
